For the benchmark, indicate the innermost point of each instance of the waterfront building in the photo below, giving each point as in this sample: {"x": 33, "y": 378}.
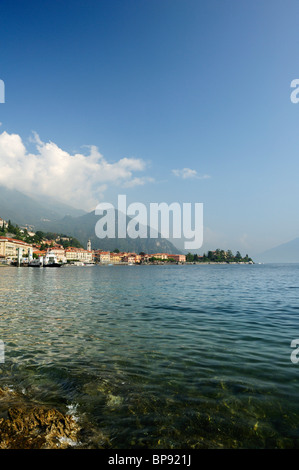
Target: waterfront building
{"x": 59, "y": 252}
{"x": 97, "y": 255}
{"x": 39, "y": 253}
{"x": 161, "y": 256}
{"x": 3, "y": 223}
{"x": 137, "y": 259}
{"x": 144, "y": 257}
{"x": 115, "y": 258}
{"x": 178, "y": 258}
{"x": 129, "y": 258}
{"x": 105, "y": 257}
{"x": 78, "y": 254}
{"x": 9, "y": 247}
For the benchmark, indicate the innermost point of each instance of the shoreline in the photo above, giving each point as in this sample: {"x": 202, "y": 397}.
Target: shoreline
{"x": 156, "y": 263}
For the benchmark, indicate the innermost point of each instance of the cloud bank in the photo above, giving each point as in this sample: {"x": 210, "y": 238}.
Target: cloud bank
{"x": 187, "y": 173}
{"x": 78, "y": 180}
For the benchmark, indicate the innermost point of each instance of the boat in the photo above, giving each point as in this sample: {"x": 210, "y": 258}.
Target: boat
{"x": 53, "y": 265}
{"x": 51, "y": 261}
{"x": 36, "y": 263}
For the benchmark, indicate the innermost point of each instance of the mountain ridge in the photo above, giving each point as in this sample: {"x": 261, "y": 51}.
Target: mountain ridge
{"x": 48, "y": 215}
{"x": 83, "y": 229}
{"x": 24, "y": 209}
{"x": 284, "y": 253}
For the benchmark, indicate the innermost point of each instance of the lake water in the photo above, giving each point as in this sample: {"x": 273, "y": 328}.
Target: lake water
{"x": 158, "y": 356}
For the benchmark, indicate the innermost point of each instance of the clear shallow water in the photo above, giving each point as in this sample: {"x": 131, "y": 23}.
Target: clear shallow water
{"x": 158, "y": 356}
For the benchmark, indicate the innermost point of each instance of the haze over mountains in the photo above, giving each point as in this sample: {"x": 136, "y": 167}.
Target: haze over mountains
{"x": 284, "y": 253}
{"x": 23, "y": 209}
{"x": 50, "y": 216}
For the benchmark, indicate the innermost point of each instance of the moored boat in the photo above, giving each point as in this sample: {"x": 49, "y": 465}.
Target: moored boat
{"x": 36, "y": 263}
{"x": 51, "y": 261}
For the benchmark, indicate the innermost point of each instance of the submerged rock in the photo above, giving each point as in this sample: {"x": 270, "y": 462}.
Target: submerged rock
{"x": 27, "y": 426}
{"x": 37, "y": 428}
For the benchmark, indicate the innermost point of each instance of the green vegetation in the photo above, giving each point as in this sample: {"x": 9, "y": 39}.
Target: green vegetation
{"x": 153, "y": 259}
{"x": 218, "y": 256}
{"x": 39, "y": 238}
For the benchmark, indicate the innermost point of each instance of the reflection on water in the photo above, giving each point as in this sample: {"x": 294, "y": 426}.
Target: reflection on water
{"x": 158, "y": 356}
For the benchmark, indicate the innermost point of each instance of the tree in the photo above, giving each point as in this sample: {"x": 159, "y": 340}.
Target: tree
{"x": 39, "y": 235}
{"x": 10, "y": 227}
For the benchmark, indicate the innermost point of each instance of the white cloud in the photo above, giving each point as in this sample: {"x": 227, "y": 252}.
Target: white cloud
{"x": 138, "y": 181}
{"x": 78, "y": 179}
{"x": 187, "y": 173}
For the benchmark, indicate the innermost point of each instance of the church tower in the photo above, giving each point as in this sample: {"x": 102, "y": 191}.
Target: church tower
{"x": 89, "y": 245}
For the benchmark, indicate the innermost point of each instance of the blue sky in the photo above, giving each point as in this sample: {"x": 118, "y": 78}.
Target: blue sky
{"x": 157, "y": 86}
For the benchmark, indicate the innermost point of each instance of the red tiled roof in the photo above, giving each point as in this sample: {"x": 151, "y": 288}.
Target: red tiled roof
{"x": 14, "y": 240}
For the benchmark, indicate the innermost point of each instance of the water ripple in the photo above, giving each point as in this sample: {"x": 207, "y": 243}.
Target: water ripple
{"x": 159, "y": 357}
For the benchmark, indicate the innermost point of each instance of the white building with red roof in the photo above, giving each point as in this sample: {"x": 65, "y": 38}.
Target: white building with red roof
{"x": 9, "y": 247}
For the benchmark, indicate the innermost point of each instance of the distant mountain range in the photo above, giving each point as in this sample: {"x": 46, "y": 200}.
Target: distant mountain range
{"x": 83, "y": 228}
{"x": 285, "y": 253}
{"x": 22, "y": 209}
{"x": 51, "y": 216}
{"x": 48, "y": 215}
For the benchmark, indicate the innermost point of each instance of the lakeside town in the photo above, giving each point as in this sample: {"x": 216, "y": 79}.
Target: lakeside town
{"x": 23, "y": 247}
